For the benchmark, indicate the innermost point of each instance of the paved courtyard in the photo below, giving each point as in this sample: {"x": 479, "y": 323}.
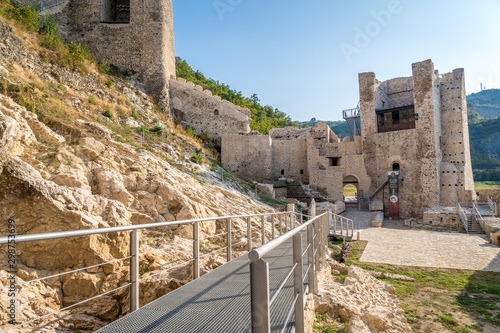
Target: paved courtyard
{"x": 424, "y": 248}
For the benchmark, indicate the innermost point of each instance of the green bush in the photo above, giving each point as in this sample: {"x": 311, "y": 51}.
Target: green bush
{"x": 134, "y": 115}
{"x": 28, "y": 17}
{"x": 47, "y": 26}
{"x": 196, "y": 159}
{"x": 103, "y": 67}
{"x": 107, "y": 113}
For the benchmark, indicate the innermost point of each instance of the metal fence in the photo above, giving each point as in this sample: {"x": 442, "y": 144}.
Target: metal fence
{"x": 316, "y": 231}
{"x": 46, "y": 4}
{"x": 280, "y": 224}
{"x": 493, "y": 206}
{"x": 341, "y": 226}
{"x": 463, "y": 217}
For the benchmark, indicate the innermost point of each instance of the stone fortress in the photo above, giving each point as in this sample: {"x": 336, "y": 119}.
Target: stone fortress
{"x": 414, "y": 125}
{"x": 138, "y": 36}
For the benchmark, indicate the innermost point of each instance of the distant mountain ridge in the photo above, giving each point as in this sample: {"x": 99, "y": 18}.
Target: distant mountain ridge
{"x": 486, "y": 103}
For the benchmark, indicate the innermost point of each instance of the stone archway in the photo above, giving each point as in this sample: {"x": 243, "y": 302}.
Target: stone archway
{"x": 350, "y": 188}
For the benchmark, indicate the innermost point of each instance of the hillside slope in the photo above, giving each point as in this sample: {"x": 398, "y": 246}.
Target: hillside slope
{"x": 486, "y": 103}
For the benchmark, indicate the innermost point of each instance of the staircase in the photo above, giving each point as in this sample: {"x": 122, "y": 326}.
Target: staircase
{"x": 470, "y": 217}
{"x": 381, "y": 186}
{"x": 473, "y": 226}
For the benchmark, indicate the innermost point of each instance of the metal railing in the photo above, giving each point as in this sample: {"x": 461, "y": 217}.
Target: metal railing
{"x": 351, "y": 113}
{"x": 46, "y": 4}
{"x": 317, "y": 231}
{"x": 281, "y": 223}
{"x": 493, "y": 206}
{"x": 341, "y": 226}
{"x": 463, "y": 217}
{"x": 477, "y": 215}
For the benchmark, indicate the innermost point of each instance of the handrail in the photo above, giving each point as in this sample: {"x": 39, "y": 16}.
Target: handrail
{"x": 261, "y": 251}
{"x": 97, "y": 231}
{"x": 493, "y": 206}
{"x": 463, "y": 217}
{"x": 287, "y": 217}
{"x": 477, "y": 211}
{"x": 346, "y": 229}
{"x": 317, "y": 233}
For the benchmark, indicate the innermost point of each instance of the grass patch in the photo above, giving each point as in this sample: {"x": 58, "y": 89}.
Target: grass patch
{"x": 437, "y": 296}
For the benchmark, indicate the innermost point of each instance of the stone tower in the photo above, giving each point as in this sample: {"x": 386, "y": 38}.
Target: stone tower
{"x": 457, "y": 183}
{"x": 136, "y": 35}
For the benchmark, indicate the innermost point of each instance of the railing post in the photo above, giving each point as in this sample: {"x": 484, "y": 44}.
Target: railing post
{"x": 313, "y": 285}
{"x": 335, "y": 225}
{"x": 325, "y": 235}
{"x": 196, "y": 251}
{"x": 134, "y": 270}
{"x": 249, "y": 233}
{"x": 272, "y": 225}
{"x": 298, "y": 285}
{"x": 317, "y": 243}
{"x": 229, "y": 242}
{"x": 291, "y": 209}
{"x": 312, "y": 208}
{"x": 263, "y": 222}
{"x": 281, "y": 224}
{"x": 322, "y": 239}
{"x": 259, "y": 296}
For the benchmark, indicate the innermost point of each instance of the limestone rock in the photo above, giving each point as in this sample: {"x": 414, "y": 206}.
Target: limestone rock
{"x": 369, "y": 305}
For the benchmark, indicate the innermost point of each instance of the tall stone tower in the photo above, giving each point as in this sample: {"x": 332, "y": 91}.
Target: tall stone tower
{"x": 137, "y": 35}
{"x": 457, "y": 183}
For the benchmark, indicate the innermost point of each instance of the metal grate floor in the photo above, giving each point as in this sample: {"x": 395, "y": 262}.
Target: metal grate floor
{"x": 219, "y": 301}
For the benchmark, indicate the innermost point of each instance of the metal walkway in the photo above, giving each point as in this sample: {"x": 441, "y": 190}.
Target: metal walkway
{"x": 219, "y": 301}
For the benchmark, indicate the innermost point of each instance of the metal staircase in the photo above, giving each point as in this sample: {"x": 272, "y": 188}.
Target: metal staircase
{"x": 470, "y": 217}
{"x": 381, "y": 186}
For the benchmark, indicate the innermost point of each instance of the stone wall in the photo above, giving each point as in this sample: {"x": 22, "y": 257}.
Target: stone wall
{"x": 289, "y": 153}
{"x": 399, "y": 92}
{"x": 198, "y": 108}
{"x": 248, "y": 155}
{"x": 494, "y": 194}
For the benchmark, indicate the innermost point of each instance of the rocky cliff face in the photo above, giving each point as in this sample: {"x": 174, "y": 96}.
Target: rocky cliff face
{"x": 68, "y": 167}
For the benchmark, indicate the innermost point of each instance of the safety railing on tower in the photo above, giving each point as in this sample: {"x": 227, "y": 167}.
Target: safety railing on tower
{"x": 316, "y": 232}
{"x": 260, "y": 229}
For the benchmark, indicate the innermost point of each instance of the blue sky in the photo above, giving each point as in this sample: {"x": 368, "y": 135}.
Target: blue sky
{"x": 303, "y": 57}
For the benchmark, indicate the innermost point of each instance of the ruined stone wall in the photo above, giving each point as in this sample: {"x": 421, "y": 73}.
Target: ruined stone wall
{"x": 198, "y": 108}
{"x": 289, "y": 153}
{"x": 324, "y": 176}
{"x": 456, "y": 169}
{"x": 399, "y": 91}
{"x": 248, "y": 155}
{"x": 494, "y": 194}
{"x": 144, "y": 45}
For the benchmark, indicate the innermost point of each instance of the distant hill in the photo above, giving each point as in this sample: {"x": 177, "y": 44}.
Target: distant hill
{"x": 339, "y": 127}
{"x": 486, "y": 103}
